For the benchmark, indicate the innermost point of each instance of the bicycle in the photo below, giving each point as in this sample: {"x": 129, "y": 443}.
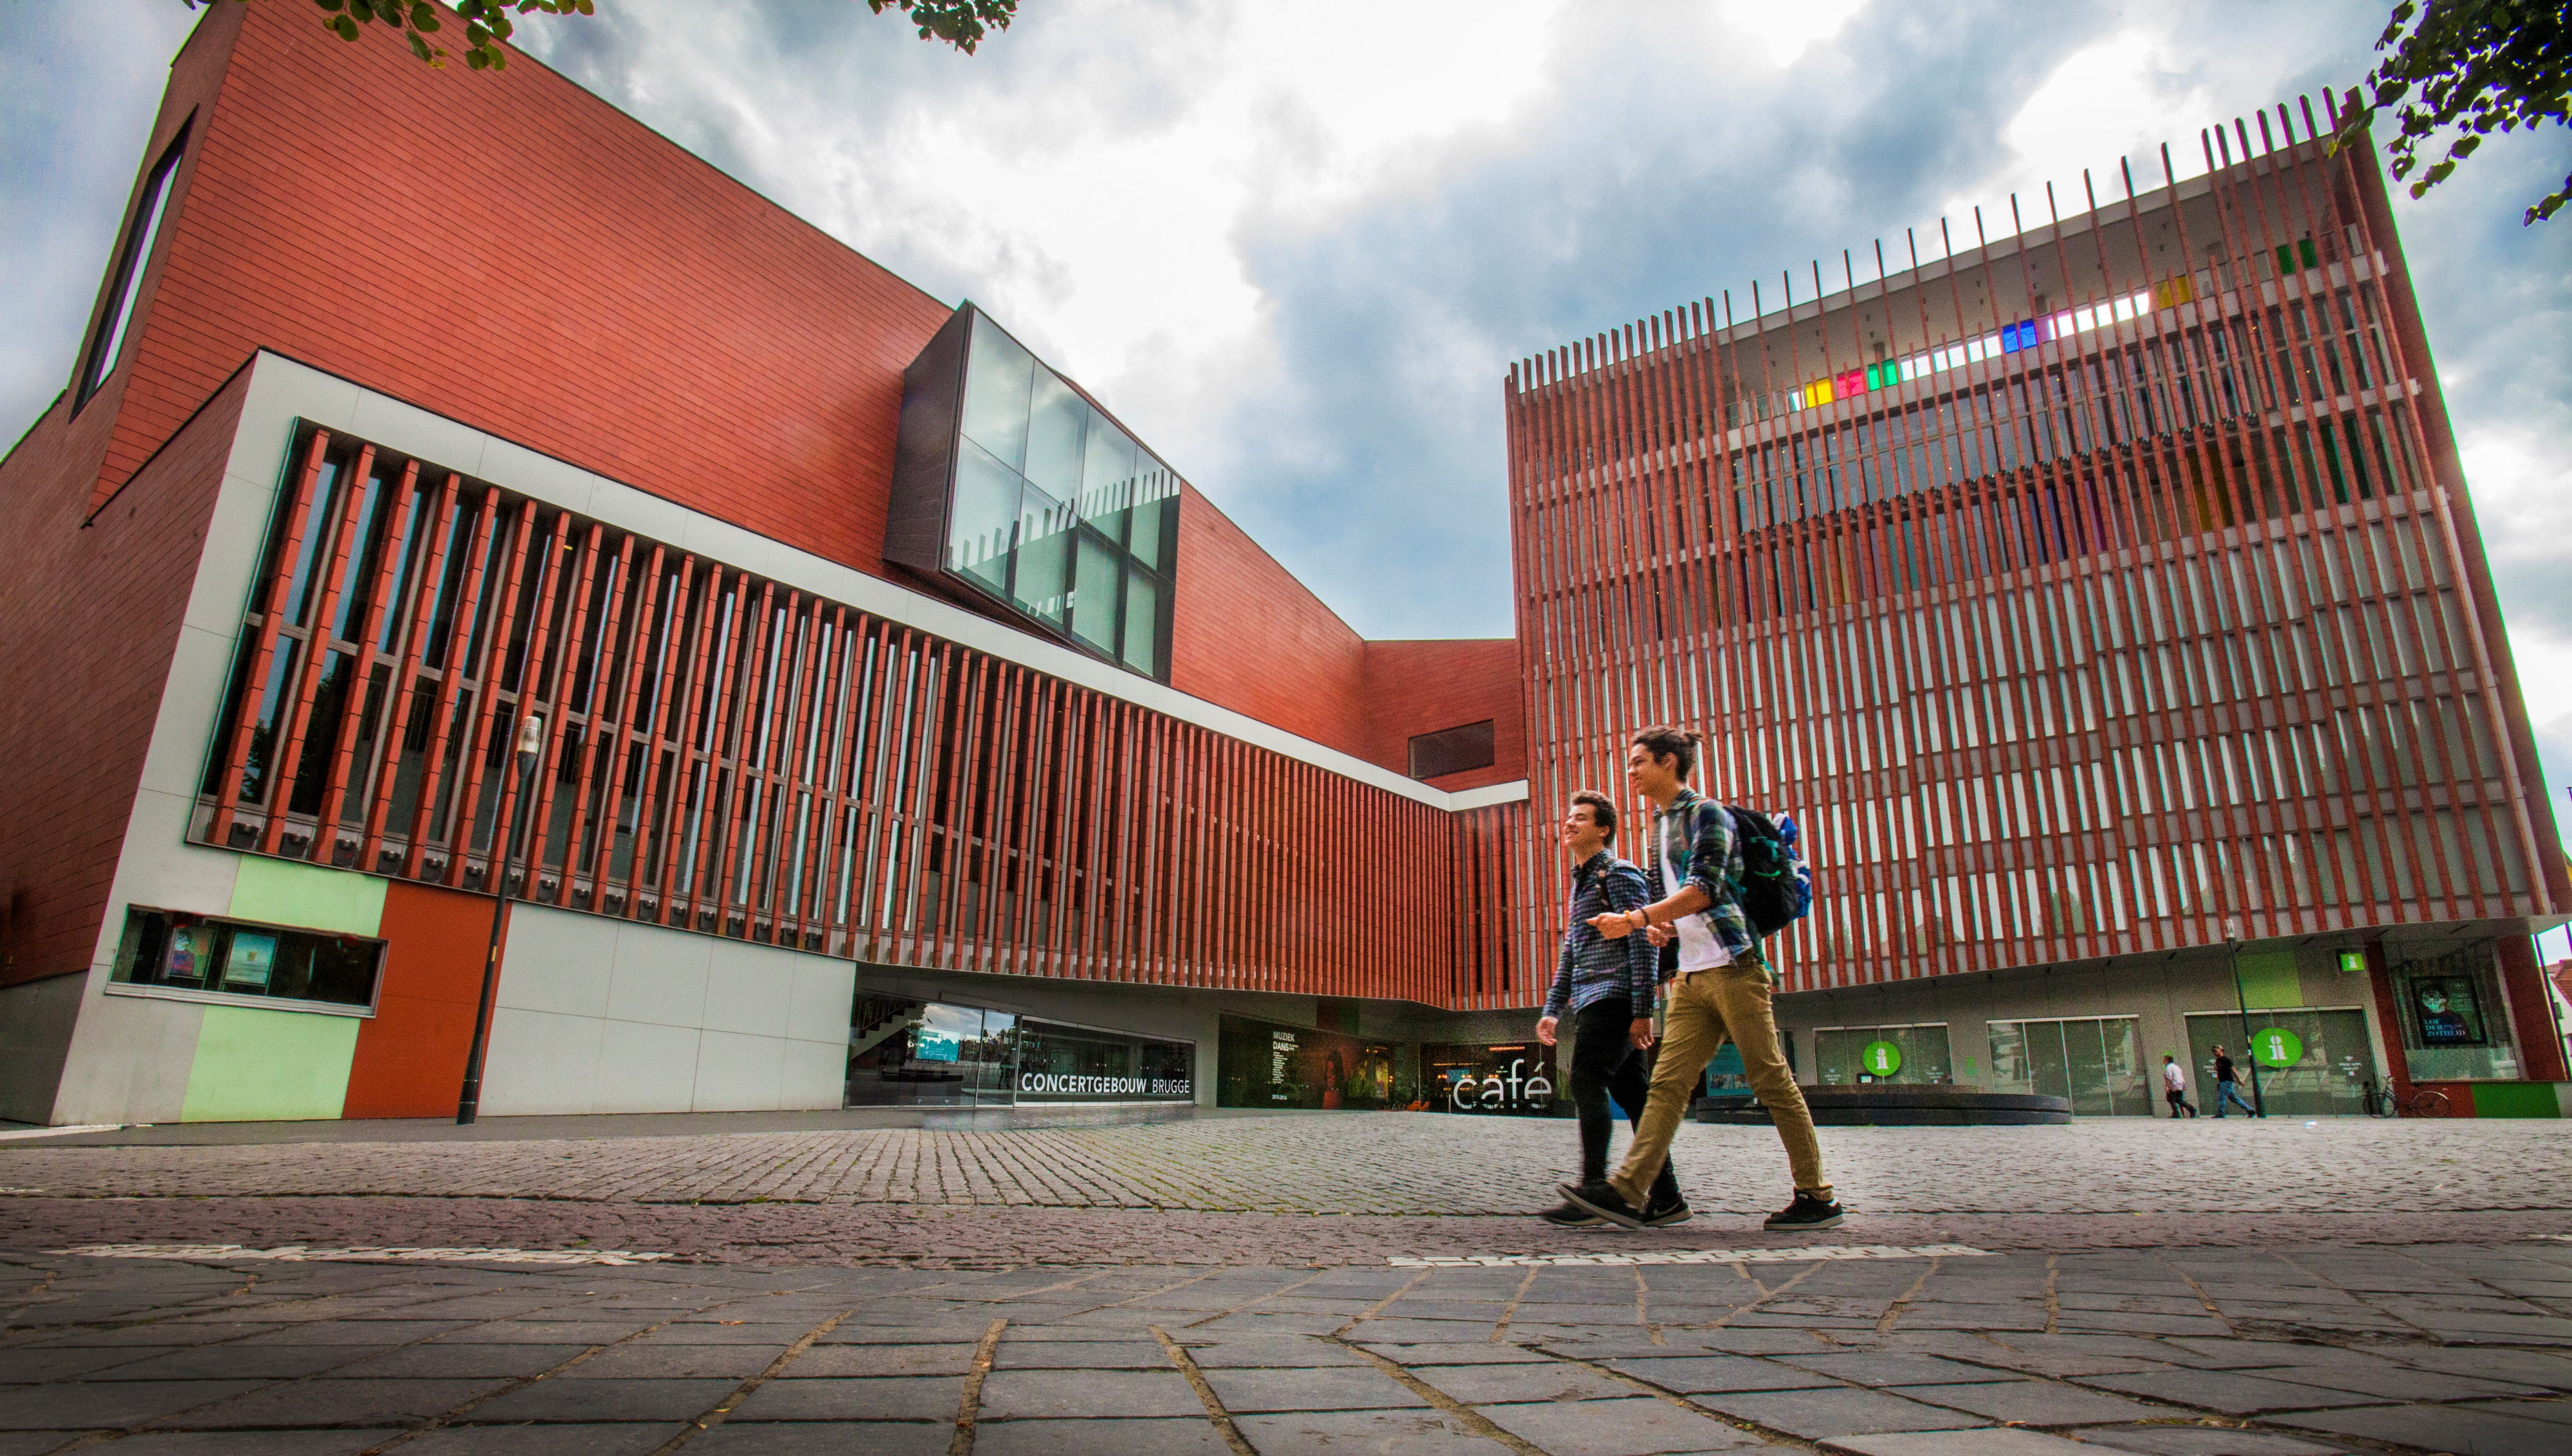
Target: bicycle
{"x": 2426, "y": 1102}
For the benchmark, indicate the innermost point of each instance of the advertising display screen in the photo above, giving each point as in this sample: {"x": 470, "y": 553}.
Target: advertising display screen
{"x": 1263, "y": 1064}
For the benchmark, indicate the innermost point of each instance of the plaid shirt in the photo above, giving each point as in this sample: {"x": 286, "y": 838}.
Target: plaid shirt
{"x": 1697, "y": 834}
{"x": 1593, "y": 967}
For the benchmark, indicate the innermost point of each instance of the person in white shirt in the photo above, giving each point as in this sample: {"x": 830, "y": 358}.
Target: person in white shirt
{"x": 2174, "y": 1089}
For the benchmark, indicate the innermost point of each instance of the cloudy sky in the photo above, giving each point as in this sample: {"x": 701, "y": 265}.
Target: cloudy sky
{"x": 1296, "y": 245}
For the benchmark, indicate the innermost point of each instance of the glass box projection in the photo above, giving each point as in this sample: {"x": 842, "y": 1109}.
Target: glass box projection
{"x": 1010, "y": 483}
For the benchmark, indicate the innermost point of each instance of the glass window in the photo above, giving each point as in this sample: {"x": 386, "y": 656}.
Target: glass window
{"x": 140, "y": 236}
{"x": 1150, "y": 542}
{"x": 2312, "y": 1063}
{"x": 2453, "y": 1024}
{"x": 1263, "y": 1064}
{"x": 2093, "y": 1061}
{"x": 1044, "y": 556}
{"x": 996, "y": 381}
{"x": 1106, "y": 473}
{"x": 1094, "y": 595}
{"x": 981, "y": 524}
{"x": 1081, "y": 1064}
{"x": 929, "y": 1053}
{"x": 1143, "y": 622}
{"x": 1898, "y": 1053}
{"x": 1053, "y": 437}
{"x": 179, "y": 951}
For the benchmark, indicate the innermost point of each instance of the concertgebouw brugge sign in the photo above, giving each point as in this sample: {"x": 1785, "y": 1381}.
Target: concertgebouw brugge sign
{"x": 1056, "y": 1083}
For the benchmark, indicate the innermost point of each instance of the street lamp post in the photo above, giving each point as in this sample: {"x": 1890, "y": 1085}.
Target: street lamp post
{"x": 2241, "y": 999}
{"x": 532, "y": 743}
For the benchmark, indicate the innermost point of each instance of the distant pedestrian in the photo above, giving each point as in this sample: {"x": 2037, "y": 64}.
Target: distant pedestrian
{"x": 1606, "y": 988}
{"x": 2228, "y": 1087}
{"x": 2174, "y": 1089}
{"x": 1724, "y": 992}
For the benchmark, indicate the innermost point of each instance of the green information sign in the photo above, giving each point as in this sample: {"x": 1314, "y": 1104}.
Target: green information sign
{"x": 1881, "y": 1059}
{"x": 2277, "y": 1047}
{"x": 2352, "y": 962}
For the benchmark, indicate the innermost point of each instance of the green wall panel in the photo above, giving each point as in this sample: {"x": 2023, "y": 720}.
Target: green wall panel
{"x": 2516, "y": 1100}
{"x": 284, "y": 893}
{"x": 269, "y": 1066}
{"x": 2269, "y": 979}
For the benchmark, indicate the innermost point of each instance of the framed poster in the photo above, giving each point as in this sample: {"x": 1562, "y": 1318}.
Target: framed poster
{"x": 185, "y": 958}
{"x": 250, "y": 960}
{"x": 2447, "y": 1013}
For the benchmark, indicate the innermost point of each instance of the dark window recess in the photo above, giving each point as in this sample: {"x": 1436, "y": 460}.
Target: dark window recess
{"x": 142, "y": 230}
{"x": 1452, "y": 750}
{"x": 198, "y": 954}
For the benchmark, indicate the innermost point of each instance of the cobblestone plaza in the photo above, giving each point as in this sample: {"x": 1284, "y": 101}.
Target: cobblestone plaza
{"x": 1288, "y": 1283}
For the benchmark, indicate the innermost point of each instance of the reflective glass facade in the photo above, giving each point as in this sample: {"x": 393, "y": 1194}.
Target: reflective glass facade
{"x": 1015, "y": 485}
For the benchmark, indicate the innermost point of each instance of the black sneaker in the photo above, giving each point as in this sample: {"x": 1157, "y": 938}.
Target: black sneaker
{"x": 1603, "y": 1200}
{"x": 1806, "y": 1215}
{"x": 1570, "y": 1215}
{"x": 1662, "y": 1215}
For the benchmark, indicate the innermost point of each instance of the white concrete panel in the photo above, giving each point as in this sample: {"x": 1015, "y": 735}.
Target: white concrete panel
{"x": 660, "y": 976}
{"x": 539, "y": 1062}
{"x": 160, "y": 868}
{"x": 825, "y": 991}
{"x": 130, "y": 1060}
{"x": 814, "y": 1073}
{"x": 234, "y": 535}
{"x": 553, "y": 481}
{"x": 175, "y": 761}
{"x": 723, "y": 541}
{"x": 737, "y": 1074}
{"x": 556, "y": 961}
{"x": 644, "y": 1069}
{"x": 749, "y": 989}
{"x": 414, "y": 431}
{"x": 282, "y": 391}
{"x": 639, "y": 511}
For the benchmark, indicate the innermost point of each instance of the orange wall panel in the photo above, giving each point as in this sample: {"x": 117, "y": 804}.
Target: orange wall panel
{"x": 410, "y": 1056}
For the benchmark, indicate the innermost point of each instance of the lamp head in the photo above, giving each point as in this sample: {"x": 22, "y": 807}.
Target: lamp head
{"x": 2231, "y": 930}
{"x": 531, "y": 734}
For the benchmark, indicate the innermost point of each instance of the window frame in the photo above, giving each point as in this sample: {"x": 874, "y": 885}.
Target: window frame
{"x": 117, "y": 985}
{"x": 137, "y": 241}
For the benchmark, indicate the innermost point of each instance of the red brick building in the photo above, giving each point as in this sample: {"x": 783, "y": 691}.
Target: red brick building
{"x": 374, "y": 454}
{"x": 2105, "y": 600}
{"x": 906, "y": 730}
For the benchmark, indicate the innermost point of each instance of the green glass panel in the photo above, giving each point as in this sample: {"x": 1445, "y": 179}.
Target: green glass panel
{"x": 1094, "y": 595}
{"x": 1142, "y": 622}
{"x": 996, "y": 379}
{"x": 983, "y": 523}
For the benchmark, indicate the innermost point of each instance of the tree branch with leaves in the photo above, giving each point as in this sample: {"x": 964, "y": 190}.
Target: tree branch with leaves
{"x": 2477, "y": 66}
{"x": 962, "y": 24}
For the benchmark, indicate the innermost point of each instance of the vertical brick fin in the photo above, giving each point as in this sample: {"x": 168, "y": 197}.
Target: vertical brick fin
{"x": 413, "y": 644}
{"x": 326, "y": 833}
{"x": 333, "y": 562}
{"x": 452, "y": 685}
{"x": 267, "y": 609}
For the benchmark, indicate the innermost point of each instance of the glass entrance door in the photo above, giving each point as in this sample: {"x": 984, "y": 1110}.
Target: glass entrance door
{"x": 2329, "y": 1059}
{"x": 2090, "y": 1060}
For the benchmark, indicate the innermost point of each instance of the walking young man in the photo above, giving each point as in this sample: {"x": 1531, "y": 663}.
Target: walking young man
{"x": 1607, "y": 986}
{"x": 1723, "y": 992}
{"x": 2228, "y": 1087}
{"x": 2174, "y": 1089}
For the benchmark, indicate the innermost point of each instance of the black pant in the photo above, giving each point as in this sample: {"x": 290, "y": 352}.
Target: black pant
{"x": 1605, "y": 1065}
{"x": 2178, "y": 1101}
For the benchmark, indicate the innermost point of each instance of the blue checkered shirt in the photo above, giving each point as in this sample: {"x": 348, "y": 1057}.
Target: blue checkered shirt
{"x": 1593, "y": 967}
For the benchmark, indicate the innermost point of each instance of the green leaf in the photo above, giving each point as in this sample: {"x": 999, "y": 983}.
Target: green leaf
{"x": 342, "y": 26}
{"x": 420, "y": 47}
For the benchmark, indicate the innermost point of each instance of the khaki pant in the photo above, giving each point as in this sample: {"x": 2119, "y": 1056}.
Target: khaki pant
{"x": 1705, "y": 1010}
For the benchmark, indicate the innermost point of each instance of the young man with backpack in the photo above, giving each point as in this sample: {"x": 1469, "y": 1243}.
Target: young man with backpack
{"x": 1722, "y": 988}
{"x": 1607, "y": 987}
